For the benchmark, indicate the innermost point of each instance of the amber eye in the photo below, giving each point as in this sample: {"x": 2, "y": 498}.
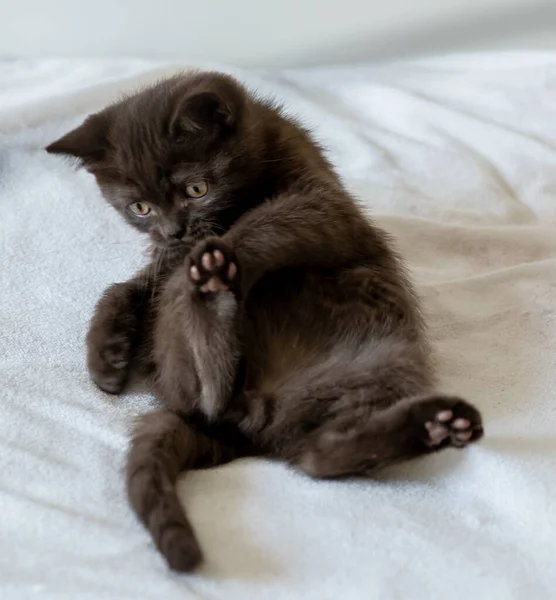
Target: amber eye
{"x": 141, "y": 209}
{"x": 197, "y": 189}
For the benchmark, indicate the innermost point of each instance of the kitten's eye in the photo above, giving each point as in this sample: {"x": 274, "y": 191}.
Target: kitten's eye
{"x": 197, "y": 189}
{"x": 141, "y": 209}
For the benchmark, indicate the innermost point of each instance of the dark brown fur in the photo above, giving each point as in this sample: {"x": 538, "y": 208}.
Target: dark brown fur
{"x": 274, "y": 319}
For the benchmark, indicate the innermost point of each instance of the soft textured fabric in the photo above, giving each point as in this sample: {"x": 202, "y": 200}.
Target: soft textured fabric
{"x": 456, "y": 157}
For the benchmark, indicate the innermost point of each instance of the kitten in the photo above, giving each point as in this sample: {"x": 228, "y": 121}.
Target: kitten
{"x": 274, "y": 319}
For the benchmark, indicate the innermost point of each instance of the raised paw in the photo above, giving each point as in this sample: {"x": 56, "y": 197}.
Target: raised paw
{"x": 447, "y": 421}
{"x": 213, "y": 267}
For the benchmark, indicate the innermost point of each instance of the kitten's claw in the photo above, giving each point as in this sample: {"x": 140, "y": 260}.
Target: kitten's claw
{"x": 213, "y": 267}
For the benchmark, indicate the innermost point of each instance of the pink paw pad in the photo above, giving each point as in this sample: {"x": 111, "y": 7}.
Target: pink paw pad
{"x": 448, "y": 425}
{"x": 213, "y": 273}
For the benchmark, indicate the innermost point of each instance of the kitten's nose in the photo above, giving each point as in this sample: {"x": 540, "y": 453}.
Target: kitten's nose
{"x": 177, "y": 235}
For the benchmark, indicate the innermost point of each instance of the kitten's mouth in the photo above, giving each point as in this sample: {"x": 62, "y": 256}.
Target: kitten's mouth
{"x": 173, "y": 243}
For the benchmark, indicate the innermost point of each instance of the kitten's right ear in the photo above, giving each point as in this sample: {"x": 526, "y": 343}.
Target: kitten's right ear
{"x": 88, "y": 142}
{"x": 214, "y": 107}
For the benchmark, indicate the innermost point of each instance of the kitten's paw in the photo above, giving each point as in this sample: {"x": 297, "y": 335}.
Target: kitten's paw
{"x": 447, "y": 421}
{"x": 213, "y": 266}
{"x": 109, "y": 361}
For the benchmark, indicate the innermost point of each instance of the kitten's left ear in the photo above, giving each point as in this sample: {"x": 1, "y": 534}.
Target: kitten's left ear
{"x": 88, "y": 142}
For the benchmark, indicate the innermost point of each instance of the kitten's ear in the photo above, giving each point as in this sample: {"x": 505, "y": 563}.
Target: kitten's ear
{"x": 88, "y": 142}
{"x": 207, "y": 111}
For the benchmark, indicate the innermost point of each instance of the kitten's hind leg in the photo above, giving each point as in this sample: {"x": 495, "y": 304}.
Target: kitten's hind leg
{"x": 412, "y": 427}
{"x": 355, "y": 411}
{"x": 196, "y": 340}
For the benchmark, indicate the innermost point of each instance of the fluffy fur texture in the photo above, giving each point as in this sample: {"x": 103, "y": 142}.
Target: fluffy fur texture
{"x": 274, "y": 319}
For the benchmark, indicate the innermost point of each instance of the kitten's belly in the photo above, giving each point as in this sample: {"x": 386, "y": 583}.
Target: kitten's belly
{"x": 292, "y": 319}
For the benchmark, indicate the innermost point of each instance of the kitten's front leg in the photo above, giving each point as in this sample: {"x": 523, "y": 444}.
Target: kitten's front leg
{"x": 113, "y": 334}
{"x": 310, "y": 231}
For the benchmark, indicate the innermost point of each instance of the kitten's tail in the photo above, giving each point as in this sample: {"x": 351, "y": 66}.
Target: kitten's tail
{"x": 163, "y": 445}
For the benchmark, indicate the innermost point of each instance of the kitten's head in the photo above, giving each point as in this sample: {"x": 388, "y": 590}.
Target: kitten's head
{"x": 177, "y": 160}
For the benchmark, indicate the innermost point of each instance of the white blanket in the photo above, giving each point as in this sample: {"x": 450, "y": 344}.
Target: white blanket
{"x": 456, "y": 156}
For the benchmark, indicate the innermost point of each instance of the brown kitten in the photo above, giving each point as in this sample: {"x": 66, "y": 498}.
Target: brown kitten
{"x": 274, "y": 318}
